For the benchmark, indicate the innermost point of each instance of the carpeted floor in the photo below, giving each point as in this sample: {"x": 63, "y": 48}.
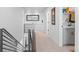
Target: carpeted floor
{"x": 45, "y": 44}
{"x": 70, "y": 48}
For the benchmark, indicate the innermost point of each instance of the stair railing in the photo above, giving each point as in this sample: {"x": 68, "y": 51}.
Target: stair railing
{"x": 8, "y": 43}
{"x": 31, "y": 41}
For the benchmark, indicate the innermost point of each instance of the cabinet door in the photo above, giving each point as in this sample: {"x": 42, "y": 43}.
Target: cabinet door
{"x": 69, "y": 36}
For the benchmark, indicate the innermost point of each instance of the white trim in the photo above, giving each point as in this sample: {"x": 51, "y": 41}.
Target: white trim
{"x": 76, "y": 29}
{"x": 60, "y": 27}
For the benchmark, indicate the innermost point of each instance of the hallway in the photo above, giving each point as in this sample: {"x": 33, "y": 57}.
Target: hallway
{"x": 40, "y": 21}
{"x": 45, "y": 44}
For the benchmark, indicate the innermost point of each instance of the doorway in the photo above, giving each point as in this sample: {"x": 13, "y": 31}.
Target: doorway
{"x": 67, "y": 28}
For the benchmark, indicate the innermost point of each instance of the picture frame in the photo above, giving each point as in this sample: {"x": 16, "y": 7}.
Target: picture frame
{"x": 53, "y": 16}
{"x": 32, "y": 17}
{"x": 72, "y": 17}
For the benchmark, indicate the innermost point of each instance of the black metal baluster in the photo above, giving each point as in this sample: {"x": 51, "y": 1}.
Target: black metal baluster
{"x": 1, "y": 41}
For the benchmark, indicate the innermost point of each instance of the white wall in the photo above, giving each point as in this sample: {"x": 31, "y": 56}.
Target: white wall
{"x": 77, "y": 29}
{"x": 56, "y": 31}
{"x": 11, "y": 19}
{"x": 53, "y": 29}
{"x": 39, "y": 26}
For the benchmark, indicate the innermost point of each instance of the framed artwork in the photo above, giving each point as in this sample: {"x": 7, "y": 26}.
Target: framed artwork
{"x": 53, "y": 16}
{"x": 70, "y": 14}
{"x": 32, "y": 17}
{"x": 72, "y": 17}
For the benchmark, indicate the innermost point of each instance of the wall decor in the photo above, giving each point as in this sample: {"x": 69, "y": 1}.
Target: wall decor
{"x": 72, "y": 17}
{"x": 53, "y": 16}
{"x": 70, "y": 13}
{"x": 32, "y": 17}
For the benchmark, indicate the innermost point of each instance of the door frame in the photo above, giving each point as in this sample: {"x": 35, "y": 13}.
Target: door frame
{"x": 60, "y": 27}
{"x": 76, "y": 28}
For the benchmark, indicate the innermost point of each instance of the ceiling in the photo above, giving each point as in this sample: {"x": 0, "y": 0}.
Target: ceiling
{"x": 38, "y": 9}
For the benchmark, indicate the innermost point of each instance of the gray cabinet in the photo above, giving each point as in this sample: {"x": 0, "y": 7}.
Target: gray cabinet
{"x": 69, "y": 35}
